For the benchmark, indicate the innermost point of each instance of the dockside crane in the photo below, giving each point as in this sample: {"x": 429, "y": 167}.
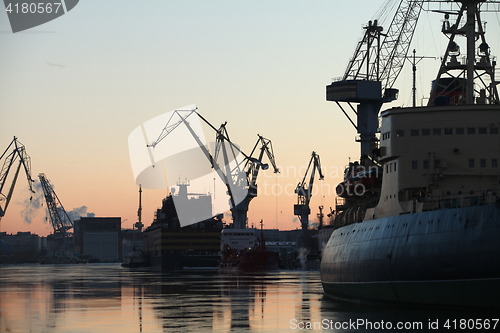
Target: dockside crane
{"x": 252, "y": 168}
{"x": 15, "y": 150}
{"x": 379, "y": 58}
{"x": 61, "y": 222}
{"x": 372, "y": 71}
{"x": 226, "y": 153}
{"x": 304, "y": 194}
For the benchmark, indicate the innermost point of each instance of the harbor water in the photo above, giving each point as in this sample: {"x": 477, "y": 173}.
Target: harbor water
{"x": 111, "y": 298}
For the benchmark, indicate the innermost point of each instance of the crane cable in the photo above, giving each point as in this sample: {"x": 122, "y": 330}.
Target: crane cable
{"x": 385, "y": 11}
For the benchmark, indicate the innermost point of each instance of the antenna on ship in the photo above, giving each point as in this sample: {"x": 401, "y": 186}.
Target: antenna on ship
{"x": 459, "y": 79}
{"x": 414, "y": 61}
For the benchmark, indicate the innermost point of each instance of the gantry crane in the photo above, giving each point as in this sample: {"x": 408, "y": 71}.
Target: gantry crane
{"x": 226, "y": 153}
{"x": 252, "y": 167}
{"x": 60, "y": 220}
{"x": 304, "y": 194}
{"x": 18, "y": 151}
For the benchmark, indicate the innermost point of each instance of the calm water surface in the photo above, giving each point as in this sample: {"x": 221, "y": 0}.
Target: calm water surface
{"x": 110, "y": 298}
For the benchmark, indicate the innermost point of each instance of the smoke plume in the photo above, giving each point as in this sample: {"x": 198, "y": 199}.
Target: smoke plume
{"x": 32, "y": 203}
{"x": 76, "y": 213}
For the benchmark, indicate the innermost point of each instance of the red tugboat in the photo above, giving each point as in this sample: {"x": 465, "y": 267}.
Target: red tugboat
{"x": 243, "y": 251}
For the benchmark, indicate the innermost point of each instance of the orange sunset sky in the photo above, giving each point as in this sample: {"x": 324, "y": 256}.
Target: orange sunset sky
{"x": 73, "y": 89}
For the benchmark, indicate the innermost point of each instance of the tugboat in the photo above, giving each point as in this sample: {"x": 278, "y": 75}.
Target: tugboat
{"x": 243, "y": 251}
{"x": 425, "y": 228}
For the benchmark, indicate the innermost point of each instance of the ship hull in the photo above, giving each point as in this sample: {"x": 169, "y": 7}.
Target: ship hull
{"x": 443, "y": 257}
{"x": 253, "y": 261}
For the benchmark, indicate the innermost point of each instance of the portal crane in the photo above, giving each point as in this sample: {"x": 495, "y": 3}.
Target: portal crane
{"x": 18, "y": 151}
{"x": 304, "y": 193}
{"x": 60, "y": 220}
{"x": 252, "y": 167}
{"x": 372, "y": 71}
{"x": 225, "y": 153}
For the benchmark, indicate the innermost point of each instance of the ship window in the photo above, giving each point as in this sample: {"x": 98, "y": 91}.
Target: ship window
{"x": 437, "y": 164}
{"x": 494, "y": 163}
{"x": 471, "y": 163}
{"x": 387, "y": 169}
{"x": 471, "y": 130}
{"x": 400, "y": 133}
{"x": 460, "y": 130}
{"x": 448, "y": 131}
{"x": 482, "y": 130}
{"x": 414, "y": 165}
{"x": 482, "y": 163}
{"x": 436, "y": 131}
{"x": 395, "y": 166}
{"x": 426, "y": 165}
{"x": 426, "y": 132}
{"x": 494, "y": 130}
{"x": 414, "y": 132}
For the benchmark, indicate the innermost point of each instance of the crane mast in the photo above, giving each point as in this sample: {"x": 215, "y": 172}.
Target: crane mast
{"x": 304, "y": 193}
{"x": 18, "y": 151}
{"x": 252, "y": 167}
{"x": 225, "y": 154}
{"x": 370, "y": 75}
{"x": 60, "y": 220}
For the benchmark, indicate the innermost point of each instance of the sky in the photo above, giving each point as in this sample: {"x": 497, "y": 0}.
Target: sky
{"x": 73, "y": 89}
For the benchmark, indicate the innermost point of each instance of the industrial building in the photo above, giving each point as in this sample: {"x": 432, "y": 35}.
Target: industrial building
{"x": 23, "y": 247}
{"x": 98, "y": 237}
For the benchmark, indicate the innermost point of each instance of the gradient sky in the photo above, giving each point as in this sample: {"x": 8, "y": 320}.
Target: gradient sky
{"x": 74, "y": 88}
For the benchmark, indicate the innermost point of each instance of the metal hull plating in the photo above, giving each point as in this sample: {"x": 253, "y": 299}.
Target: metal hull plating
{"x": 442, "y": 257}
{"x": 253, "y": 261}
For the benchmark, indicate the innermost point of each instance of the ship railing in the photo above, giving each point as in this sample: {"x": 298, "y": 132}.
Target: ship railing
{"x": 459, "y": 200}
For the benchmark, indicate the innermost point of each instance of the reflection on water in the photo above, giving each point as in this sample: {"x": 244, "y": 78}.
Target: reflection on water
{"x": 110, "y": 298}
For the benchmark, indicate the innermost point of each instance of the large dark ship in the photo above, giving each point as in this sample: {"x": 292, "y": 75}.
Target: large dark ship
{"x": 171, "y": 246}
{"x": 418, "y": 216}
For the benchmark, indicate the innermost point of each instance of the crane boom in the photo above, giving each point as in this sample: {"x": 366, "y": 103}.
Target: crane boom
{"x": 397, "y": 41}
{"x": 18, "y": 151}
{"x": 232, "y": 175}
{"x": 60, "y": 220}
{"x": 382, "y": 60}
{"x": 252, "y": 166}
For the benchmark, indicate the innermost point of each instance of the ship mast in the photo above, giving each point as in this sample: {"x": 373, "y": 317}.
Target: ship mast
{"x": 459, "y": 81}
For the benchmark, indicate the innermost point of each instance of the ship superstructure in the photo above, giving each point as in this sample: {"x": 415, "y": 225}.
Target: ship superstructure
{"x": 418, "y": 221}
{"x": 244, "y": 250}
{"x": 172, "y": 246}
